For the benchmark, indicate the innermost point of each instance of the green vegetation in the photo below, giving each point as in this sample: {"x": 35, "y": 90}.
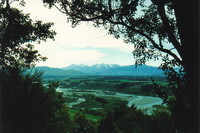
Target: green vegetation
{"x": 89, "y": 113}
{"x": 115, "y": 120}
{"x": 131, "y": 120}
{"x": 95, "y": 107}
{"x": 70, "y": 99}
{"x": 91, "y": 101}
{"x": 26, "y": 105}
{"x": 124, "y": 84}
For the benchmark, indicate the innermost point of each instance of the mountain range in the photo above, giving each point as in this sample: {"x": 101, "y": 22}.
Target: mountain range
{"x": 97, "y": 69}
{"x": 100, "y": 70}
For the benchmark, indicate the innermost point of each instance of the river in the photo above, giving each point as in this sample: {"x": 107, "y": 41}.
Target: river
{"x": 141, "y": 102}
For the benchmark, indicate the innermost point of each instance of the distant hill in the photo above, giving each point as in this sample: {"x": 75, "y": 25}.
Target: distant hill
{"x": 98, "y": 70}
{"x": 113, "y": 69}
{"x": 56, "y": 72}
{"x": 131, "y": 70}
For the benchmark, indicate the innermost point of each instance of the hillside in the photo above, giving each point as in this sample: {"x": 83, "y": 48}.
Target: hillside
{"x": 112, "y": 70}
{"x": 131, "y": 70}
{"x": 56, "y": 72}
{"x": 99, "y": 70}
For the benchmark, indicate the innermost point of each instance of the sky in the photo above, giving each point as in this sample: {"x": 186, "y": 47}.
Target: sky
{"x": 83, "y": 44}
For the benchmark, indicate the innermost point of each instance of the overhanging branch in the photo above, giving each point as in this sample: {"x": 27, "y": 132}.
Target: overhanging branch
{"x": 168, "y": 28}
{"x": 151, "y": 40}
{"x": 172, "y": 38}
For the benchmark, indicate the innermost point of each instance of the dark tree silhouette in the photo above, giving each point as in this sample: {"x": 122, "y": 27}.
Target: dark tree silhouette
{"x": 26, "y": 105}
{"x": 17, "y": 29}
{"x": 165, "y": 29}
{"x": 29, "y": 107}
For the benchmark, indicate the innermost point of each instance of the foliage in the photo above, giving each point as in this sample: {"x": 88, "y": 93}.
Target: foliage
{"x": 90, "y": 114}
{"x": 27, "y": 106}
{"x": 131, "y": 120}
{"x": 83, "y": 125}
{"x": 92, "y": 101}
{"x": 17, "y": 32}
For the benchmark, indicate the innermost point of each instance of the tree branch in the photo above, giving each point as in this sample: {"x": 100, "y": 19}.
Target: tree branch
{"x": 165, "y": 21}
{"x": 7, "y": 4}
{"x": 88, "y": 19}
{"x": 151, "y": 40}
{"x": 110, "y": 6}
{"x": 168, "y": 28}
{"x": 136, "y": 31}
{"x": 59, "y": 9}
{"x": 64, "y": 6}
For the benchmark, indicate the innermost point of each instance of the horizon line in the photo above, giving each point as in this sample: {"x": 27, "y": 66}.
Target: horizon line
{"x": 87, "y": 64}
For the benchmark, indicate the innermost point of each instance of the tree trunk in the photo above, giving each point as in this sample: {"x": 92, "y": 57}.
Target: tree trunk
{"x": 187, "y": 21}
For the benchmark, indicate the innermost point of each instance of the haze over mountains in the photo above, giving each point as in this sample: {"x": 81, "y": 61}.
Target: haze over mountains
{"x": 100, "y": 70}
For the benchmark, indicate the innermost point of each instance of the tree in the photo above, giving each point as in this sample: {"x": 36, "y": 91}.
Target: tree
{"x": 18, "y": 29}
{"x": 130, "y": 120}
{"x": 26, "y": 105}
{"x": 107, "y": 124}
{"x": 159, "y": 29}
{"x": 82, "y": 124}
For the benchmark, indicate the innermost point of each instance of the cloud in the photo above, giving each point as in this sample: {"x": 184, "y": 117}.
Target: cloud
{"x": 82, "y": 44}
{"x": 84, "y": 35}
{"x": 58, "y": 57}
